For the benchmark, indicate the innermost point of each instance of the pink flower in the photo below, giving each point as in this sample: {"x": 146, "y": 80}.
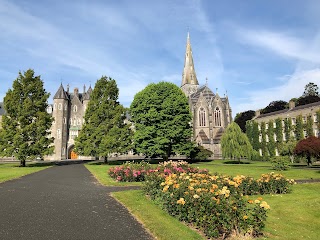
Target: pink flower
{"x": 119, "y": 178}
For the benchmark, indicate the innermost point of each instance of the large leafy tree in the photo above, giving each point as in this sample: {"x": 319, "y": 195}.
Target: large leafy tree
{"x": 235, "y": 144}
{"x": 104, "y": 131}
{"x": 310, "y": 95}
{"x": 309, "y": 147}
{"x": 162, "y": 119}
{"x": 26, "y": 124}
{"x": 275, "y": 106}
{"x": 243, "y": 117}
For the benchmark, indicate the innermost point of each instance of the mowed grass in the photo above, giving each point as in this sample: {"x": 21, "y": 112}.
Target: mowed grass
{"x": 100, "y": 171}
{"x": 10, "y": 171}
{"x": 255, "y": 169}
{"x": 158, "y": 222}
{"x": 296, "y": 215}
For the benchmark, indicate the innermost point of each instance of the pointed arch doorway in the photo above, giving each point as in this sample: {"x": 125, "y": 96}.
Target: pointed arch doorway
{"x": 72, "y": 154}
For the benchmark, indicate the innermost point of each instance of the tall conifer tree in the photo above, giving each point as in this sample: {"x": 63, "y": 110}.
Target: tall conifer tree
{"x": 26, "y": 124}
{"x": 104, "y": 131}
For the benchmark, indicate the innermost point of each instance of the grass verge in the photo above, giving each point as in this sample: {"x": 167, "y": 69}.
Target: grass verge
{"x": 100, "y": 171}
{"x": 10, "y": 171}
{"x": 159, "y": 223}
{"x": 255, "y": 169}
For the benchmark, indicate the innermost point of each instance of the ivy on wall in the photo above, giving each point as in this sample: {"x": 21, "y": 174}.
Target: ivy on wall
{"x": 279, "y": 133}
{"x": 287, "y": 128}
{"x": 271, "y": 143}
{"x": 299, "y": 128}
{"x": 264, "y": 148}
{"x": 309, "y": 125}
{"x": 318, "y": 122}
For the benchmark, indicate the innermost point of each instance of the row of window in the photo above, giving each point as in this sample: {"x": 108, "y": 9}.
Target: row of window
{"x": 74, "y": 121}
{"x": 72, "y": 135}
{"x": 216, "y": 117}
{"x": 59, "y": 106}
{"x": 316, "y": 133}
{"x": 293, "y": 121}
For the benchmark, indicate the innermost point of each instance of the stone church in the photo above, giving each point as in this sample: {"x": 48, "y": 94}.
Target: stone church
{"x": 211, "y": 113}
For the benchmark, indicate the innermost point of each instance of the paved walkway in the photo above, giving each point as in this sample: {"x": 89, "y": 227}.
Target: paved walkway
{"x": 63, "y": 202}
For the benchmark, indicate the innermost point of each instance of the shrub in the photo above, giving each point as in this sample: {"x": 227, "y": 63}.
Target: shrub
{"x": 281, "y": 163}
{"x": 199, "y": 154}
{"x": 215, "y": 204}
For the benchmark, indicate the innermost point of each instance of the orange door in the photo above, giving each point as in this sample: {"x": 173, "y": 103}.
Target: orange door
{"x": 73, "y": 155}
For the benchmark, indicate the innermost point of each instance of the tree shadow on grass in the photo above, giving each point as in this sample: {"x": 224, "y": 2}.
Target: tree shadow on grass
{"x": 236, "y": 162}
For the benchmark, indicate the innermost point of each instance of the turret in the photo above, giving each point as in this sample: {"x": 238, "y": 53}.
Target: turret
{"x": 60, "y": 124}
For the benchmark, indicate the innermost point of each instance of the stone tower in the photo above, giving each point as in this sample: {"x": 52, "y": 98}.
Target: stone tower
{"x": 60, "y": 114}
{"x": 189, "y": 82}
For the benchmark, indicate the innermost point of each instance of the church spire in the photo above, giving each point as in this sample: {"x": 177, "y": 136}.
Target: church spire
{"x": 189, "y": 74}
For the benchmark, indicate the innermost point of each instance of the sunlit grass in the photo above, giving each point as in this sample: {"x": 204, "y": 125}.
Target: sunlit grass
{"x": 255, "y": 169}
{"x": 10, "y": 171}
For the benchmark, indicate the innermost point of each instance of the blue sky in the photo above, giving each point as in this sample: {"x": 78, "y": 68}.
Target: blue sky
{"x": 257, "y": 51}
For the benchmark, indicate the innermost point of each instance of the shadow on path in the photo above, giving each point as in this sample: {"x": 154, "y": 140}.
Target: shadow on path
{"x": 64, "y": 202}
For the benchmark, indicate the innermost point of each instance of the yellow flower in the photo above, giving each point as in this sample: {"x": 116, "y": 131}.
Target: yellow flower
{"x": 163, "y": 183}
{"x": 260, "y": 198}
{"x": 198, "y": 190}
{"x": 176, "y": 185}
{"x": 165, "y": 188}
{"x": 245, "y": 217}
{"x": 195, "y": 196}
{"x": 264, "y": 205}
{"x": 186, "y": 193}
{"x": 250, "y": 201}
{"x": 181, "y": 201}
{"x": 256, "y": 201}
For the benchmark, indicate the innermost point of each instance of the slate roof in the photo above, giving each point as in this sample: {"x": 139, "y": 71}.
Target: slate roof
{"x": 207, "y": 93}
{"x": 204, "y": 137}
{"x": 60, "y": 94}
{"x": 289, "y": 110}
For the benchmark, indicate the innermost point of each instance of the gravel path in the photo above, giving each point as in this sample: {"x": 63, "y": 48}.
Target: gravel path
{"x": 63, "y": 202}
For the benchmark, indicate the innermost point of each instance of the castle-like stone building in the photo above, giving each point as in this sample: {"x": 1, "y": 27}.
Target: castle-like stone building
{"x": 68, "y": 111}
{"x": 211, "y": 113}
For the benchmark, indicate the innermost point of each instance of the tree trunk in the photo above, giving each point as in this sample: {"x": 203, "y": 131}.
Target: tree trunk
{"x": 22, "y": 163}
{"x": 309, "y": 160}
{"x": 106, "y": 160}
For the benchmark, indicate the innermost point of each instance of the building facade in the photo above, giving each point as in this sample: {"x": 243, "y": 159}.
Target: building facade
{"x": 277, "y": 127}
{"x": 68, "y": 111}
{"x": 211, "y": 114}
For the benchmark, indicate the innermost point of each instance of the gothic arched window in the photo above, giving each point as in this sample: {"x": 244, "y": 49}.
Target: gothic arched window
{"x": 217, "y": 117}
{"x": 202, "y": 117}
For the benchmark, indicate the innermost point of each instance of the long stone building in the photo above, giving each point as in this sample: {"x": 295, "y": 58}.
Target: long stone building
{"x": 211, "y": 113}
{"x": 307, "y": 115}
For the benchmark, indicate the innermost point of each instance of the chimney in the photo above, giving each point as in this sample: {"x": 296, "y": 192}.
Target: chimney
{"x": 257, "y": 113}
{"x": 292, "y": 104}
{"x": 76, "y": 91}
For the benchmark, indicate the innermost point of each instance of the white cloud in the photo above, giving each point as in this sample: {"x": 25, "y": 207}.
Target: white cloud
{"x": 293, "y": 87}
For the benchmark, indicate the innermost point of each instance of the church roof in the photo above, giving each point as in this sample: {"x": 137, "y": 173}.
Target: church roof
{"x": 206, "y": 92}
{"x": 189, "y": 74}
{"x": 203, "y": 137}
{"x": 87, "y": 94}
{"x": 60, "y": 94}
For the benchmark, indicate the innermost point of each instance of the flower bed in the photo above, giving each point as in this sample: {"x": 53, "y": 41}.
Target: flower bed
{"x": 216, "y": 204}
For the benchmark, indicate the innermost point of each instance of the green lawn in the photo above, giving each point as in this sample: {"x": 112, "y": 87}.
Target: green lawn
{"x": 100, "y": 171}
{"x": 10, "y": 171}
{"x": 255, "y": 169}
{"x": 292, "y": 216}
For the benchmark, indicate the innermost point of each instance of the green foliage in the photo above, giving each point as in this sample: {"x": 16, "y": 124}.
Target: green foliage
{"x": 299, "y": 128}
{"x": 318, "y": 121}
{"x": 287, "y": 128}
{"x": 280, "y": 163}
{"x": 234, "y": 143}
{"x": 253, "y": 134}
{"x": 199, "y": 153}
{"x": 264, "y": 148}
{"x": 26, "y": 124}
{"x": 105, "y": 130}
{"x": 309, "y": 126}
{"x": 162, "y": 117}
{"x": 311, "y": 89}
{"x": 243, "y": 117}
{"x": 279, "y": 131}
{"x": 275, "y": 106}
{"x": 271, "y": 144}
